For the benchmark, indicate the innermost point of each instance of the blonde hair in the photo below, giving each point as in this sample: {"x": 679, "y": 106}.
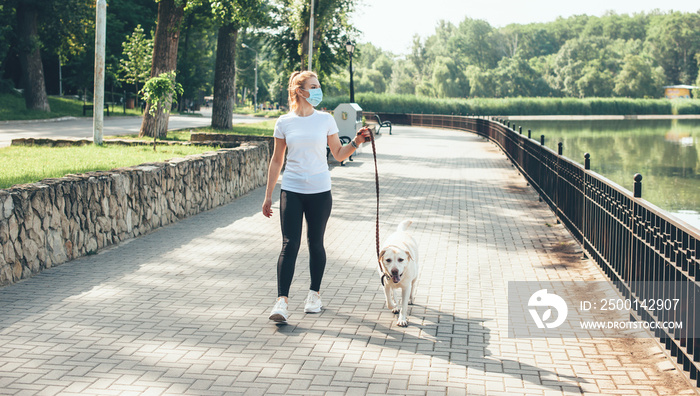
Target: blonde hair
{"x": 297, "y": 80}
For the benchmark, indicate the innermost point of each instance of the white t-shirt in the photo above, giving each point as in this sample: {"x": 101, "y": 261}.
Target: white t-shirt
{"x": 307, "y": 168}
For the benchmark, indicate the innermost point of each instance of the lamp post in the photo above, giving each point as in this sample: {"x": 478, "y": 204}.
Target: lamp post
{"x": 99, "y": 87}
{"x": 311, "y": 37}
{"x": 255, "y": 92}
{"x": 350, "y": 47}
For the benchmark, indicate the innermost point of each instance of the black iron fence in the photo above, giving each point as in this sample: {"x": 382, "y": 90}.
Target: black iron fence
{"x": 647, "y": 253}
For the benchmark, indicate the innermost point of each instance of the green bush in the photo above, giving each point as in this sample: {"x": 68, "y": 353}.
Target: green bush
{"x": 387, "y": 103}
{"x": 686, "y": 106}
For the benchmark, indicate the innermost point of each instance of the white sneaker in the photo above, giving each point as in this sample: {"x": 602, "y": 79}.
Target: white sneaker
{"x": 279, "y": 311}
{"x": 313, "y": 302}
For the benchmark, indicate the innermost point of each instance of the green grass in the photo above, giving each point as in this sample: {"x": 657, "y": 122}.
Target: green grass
{"x": 388, "y": 103}
{"x": 29, "y": 164}
{"x": 181, "y": 135}
{"x": 248, "y": 110}
{"x": 263, "y": 128}
{"x": 12, "y": 107}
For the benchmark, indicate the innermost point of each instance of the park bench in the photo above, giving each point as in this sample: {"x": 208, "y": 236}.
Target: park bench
{"x": 344, "y": 140}
{"x": 90, "y": 107}
{"x": 381, "y": 124}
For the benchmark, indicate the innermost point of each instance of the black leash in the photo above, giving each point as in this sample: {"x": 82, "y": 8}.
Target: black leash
{"x": 376, "y": 184}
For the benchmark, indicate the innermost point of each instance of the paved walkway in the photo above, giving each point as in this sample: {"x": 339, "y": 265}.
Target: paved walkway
{"x": 183, "y": 310}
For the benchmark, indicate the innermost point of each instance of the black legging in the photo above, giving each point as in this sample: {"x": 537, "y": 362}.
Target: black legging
{"x": 317, "y": 209}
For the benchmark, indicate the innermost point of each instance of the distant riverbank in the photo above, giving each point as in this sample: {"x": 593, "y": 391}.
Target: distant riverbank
{"x": 414, "y": 104}
{"x": 602, "y": 117}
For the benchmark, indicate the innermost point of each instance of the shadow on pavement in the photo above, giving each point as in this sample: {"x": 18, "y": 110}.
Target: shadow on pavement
{"x": 461, "y": 341}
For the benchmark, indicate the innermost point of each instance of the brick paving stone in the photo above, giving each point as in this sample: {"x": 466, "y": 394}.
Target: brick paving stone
{"x": 183, "y": 310}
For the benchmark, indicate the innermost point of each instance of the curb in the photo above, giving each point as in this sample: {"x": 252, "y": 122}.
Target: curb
{"x": 66, "y": 118}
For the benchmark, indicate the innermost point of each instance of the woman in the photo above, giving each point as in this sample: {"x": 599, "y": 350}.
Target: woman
{"x": 306, "y": 185}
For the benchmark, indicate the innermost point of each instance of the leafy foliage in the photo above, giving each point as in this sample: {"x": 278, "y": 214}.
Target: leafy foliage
{"x": 135, "y": 65}
{"x": 288, "y": 45}
{"x": 158, "y": 90}
{"x": 581, "y": 57}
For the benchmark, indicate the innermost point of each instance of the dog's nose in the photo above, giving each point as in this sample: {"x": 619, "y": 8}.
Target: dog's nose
{"x": 395, "y": 271}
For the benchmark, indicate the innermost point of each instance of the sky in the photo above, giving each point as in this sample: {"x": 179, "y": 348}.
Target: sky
{"x": 391, "y": 24}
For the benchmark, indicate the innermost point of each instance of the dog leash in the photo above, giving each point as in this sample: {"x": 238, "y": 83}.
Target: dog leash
{"x": 376, "y": 184}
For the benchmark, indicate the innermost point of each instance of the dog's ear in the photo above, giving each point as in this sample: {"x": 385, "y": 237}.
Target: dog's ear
{"x": 409, "y": 255}
{"x": 381, "y": 268}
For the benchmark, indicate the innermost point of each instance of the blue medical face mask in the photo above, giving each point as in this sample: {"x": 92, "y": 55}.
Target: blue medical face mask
{"x": 315, "y": 96}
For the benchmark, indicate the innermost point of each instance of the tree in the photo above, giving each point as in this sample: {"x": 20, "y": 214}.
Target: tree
{"x": 515, "y": 77}
{"x": 585, "y": 66}
{"x": 375, "y": 79}
{"x": 67, "y": 31}
{"x": 595, "y": 80}
{"x": 51, "y": 28}
{"x": 697, "y": 81}
{"x": 135, "y": 65}
{"x": 448, "y": 80}
{"x": 332, "y": 29}
{"x": 232, "y": 16}
{"x": 30, "y": 56}
{"x": 403, "y": 78}
{"x": 195, "y": 64}
{"x": 475, "y": 43}
{"x": 165, "y": 45}
{"x": 638, "y": 78}
{"x": 6, "y": 18}
{"x": 383, "y": 65}
{"x": 673, "y": 40}
{"x": 482, "y": 83}
{"x": 159, "y": 91}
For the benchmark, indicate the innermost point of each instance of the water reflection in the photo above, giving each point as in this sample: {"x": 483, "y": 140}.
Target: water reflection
{"x": 665, "y": 152}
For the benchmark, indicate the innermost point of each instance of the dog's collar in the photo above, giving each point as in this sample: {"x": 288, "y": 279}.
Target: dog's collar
{"x": 383, "y": 278}
{"x": 385, "y": 275}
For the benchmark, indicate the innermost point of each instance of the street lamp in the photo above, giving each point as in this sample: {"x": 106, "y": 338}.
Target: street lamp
{"x": 350, "y": 47}
{"x": 255, "y": 92}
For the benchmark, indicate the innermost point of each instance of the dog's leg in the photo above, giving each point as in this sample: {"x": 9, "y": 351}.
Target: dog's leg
{"x": 405, "y": 295}
{"x": 414, "y": 290}
{"x": 390, "y": 298}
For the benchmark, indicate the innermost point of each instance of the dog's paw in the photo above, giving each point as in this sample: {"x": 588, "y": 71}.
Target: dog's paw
{"x": 402, "y": 322}
{"x": 396, "y": 310}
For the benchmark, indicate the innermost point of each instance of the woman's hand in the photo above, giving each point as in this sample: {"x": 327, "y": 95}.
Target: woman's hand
{"x": 267, "y": 207}
{"x": 363, "y": 135}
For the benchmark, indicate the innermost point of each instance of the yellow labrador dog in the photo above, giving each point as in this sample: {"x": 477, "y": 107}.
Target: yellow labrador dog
{"x": 398, "y": 262}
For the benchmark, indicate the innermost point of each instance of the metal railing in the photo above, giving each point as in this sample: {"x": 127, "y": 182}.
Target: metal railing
{"x": 646, "y": 252}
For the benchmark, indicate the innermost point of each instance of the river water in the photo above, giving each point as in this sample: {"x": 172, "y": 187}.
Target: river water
{"x": 665, "y": 152}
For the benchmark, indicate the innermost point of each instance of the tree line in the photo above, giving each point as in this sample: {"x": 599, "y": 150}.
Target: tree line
{"x": 199, "y": 39}
{"x": 580, "y": 56}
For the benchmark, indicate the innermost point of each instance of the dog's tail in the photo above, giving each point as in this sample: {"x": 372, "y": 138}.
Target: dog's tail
{"x": 404, "y": 225}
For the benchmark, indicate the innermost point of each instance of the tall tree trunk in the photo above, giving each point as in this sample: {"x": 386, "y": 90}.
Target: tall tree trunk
{"x": 224, "y": 77}
{"x": 181, "y": 105}
{"x": 30, "y": 58}
{"x": 304, "y": 56}
{"x": 164, "y": 60}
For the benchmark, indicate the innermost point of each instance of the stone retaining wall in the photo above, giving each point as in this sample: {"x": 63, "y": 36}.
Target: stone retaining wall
{"x": 47, "y": 223}
{"x": 224, "y": 138}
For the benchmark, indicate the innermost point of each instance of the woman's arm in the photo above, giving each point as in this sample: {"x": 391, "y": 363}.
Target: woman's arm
{"x": 273, "y": 173}
{"x": 340, "y": 152}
